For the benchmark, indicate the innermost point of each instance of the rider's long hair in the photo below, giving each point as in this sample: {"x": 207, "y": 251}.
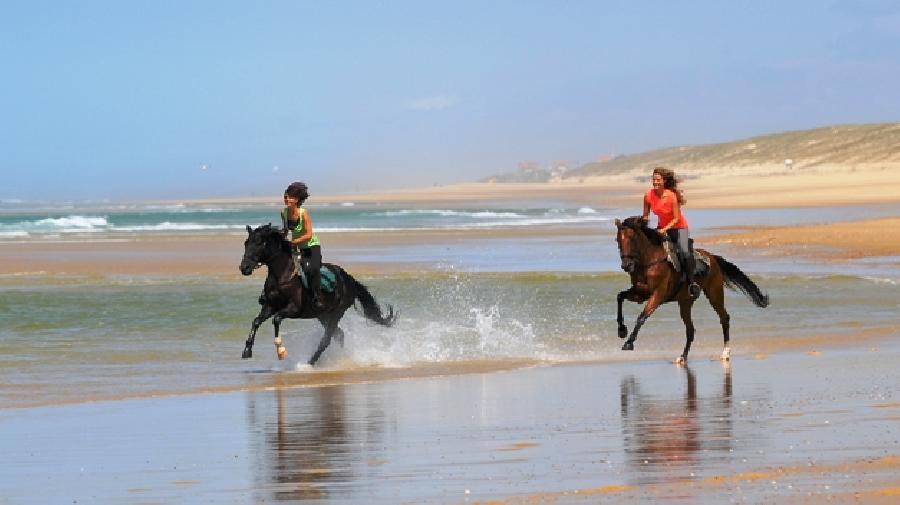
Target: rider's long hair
{"x": 670, "y": 182}
{"x": 299, "y": 191}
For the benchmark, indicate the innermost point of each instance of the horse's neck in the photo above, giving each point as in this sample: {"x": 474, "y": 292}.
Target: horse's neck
{"x": 647, "y": 250}
{"x": 281, "y": 267}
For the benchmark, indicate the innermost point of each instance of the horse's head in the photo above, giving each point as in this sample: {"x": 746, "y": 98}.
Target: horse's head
{"x": 628, "y": 237}
{"x": 259, "y": 247}
{"x": 625, "y": 238}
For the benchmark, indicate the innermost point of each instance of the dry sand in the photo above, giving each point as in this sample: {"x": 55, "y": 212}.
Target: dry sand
{"x": 727, "y": 188}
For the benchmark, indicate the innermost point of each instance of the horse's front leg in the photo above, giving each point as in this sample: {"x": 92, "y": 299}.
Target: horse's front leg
{"x": 264, "y": 313}
{"x": 649, "y": 308}
{"x": 629, "y": 294}
{"x": 280, "y": 349}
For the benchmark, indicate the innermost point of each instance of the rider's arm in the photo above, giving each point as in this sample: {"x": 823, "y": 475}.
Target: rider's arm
{"x": 285, "y": 231}
{"x": 307, "y": 230}
{"x": 646, "y": 214}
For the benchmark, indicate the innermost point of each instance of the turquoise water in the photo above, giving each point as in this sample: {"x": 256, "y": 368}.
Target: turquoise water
{"x": 76, "y": 338}
{"x": 85, "y": 221}
{"x": 36, "y": 221}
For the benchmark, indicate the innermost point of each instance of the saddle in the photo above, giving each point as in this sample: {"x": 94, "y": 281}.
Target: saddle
{"x": 701, "y": 262}
{"x": 326, "y": 276}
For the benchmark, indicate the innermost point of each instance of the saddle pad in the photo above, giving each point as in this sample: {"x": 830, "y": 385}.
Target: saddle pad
{"x": 700, "y": 260}
{"x": 326, "y": 277}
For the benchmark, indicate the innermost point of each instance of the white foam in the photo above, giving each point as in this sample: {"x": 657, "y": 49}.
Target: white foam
{"x": 73, "y": 223}
{"x": 14, "y": 234}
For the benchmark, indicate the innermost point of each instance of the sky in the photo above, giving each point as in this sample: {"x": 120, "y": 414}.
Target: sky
{"x": 158, "y": 99}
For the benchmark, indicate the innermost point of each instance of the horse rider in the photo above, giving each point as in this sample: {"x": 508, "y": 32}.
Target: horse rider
{"x": 295, "y": 219}
{"x": 665, "y": 200}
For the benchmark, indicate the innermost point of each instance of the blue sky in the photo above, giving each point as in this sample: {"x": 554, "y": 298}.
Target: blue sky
{"x": 130, "y": 100}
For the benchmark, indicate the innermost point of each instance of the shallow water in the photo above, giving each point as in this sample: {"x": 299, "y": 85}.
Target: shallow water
{"x": 74, "y": 339}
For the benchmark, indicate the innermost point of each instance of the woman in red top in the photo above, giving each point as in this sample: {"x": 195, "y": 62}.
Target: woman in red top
{"x": 665, "y": 200}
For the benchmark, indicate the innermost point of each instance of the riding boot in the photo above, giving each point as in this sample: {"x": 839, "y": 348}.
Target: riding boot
{"x": 688, "y": 265}
{"x": 317, "y": 299}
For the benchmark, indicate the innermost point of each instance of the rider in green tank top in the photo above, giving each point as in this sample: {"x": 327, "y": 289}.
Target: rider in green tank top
{"x": 296, "y": 221}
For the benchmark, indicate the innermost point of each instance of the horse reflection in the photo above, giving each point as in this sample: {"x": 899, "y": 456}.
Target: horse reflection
{"x": 308, "y": 450}
{"x": 668, "y": 440}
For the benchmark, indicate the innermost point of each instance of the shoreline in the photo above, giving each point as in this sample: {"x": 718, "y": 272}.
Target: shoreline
{"x": 219, "y": 255}
{"x": 285, "y": 379}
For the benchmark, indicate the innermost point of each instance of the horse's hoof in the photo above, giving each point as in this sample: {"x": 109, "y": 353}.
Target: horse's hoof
{"x": 628, "y": 346}
{"x": 282, "y": 352}
{"x": 247, "y": 354}
{"x": 680, "y": 361}
{"x": 726, "y": 354}
{"x": 623, "y": 332}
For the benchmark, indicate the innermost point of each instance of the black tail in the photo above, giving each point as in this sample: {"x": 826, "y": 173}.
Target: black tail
{"x": 370, "y": 307}
{"x": 738, "y": 280}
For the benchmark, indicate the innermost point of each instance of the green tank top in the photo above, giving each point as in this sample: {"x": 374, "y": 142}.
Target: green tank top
{"x": 298, "y": 231}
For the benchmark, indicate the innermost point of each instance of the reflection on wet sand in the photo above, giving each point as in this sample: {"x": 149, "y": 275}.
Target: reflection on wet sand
{"x": 667, "y": 440}
{"x": 307, "y": 445}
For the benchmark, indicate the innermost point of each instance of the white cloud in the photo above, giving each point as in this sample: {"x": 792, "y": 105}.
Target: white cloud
{"x": 438, "y": 102}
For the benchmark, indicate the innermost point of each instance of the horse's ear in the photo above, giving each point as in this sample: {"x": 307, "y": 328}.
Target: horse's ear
{"x": 249, "y": 230}
{"x": 618, "y": 223}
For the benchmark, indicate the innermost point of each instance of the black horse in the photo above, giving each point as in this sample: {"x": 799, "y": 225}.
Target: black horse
{"x": 284, "y": 295}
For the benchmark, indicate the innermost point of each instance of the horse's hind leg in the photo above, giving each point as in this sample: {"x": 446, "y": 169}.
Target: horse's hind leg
{"x": 716, "y": 295}
{"x": 685, "y": 309}
{"x": 264, "y": 313}
{"x": 330, "y": 322}
{"x": 338, "y": 333}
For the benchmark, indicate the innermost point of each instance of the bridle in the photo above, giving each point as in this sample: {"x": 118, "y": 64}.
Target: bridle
{"x": 635, "y": 257}
{"x": 259, "y": 261}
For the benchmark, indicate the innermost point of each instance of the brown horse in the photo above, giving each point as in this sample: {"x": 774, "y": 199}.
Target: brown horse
{"x": 654, "y": 280}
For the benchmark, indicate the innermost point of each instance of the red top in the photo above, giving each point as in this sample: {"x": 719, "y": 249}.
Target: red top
{"x": 663, "y": 207}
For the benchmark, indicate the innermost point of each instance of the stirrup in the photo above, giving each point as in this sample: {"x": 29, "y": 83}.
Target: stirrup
{"x": 694, "y": 290}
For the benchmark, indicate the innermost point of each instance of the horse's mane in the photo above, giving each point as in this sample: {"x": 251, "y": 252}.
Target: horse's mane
{"x": 638, "y": 224}
{"x": 268, "y": 232}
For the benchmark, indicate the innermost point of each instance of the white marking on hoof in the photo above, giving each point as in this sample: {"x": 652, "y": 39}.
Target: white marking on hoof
{"x": 680, "y": 361}
{"x": 282, "y": 352}
{"x": 726, "y": 354}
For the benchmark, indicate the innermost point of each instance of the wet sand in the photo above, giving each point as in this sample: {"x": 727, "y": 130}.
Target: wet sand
{"x": 796, "y": 427}
{"x": 834, "y": 241}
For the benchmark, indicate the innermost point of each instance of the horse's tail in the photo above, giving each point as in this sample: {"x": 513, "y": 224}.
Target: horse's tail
{"x": 736, "y": 279}
{"x": 370, "y": 307}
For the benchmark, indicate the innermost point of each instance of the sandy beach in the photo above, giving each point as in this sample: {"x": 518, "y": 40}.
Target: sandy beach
{"x": 803, "y": 413}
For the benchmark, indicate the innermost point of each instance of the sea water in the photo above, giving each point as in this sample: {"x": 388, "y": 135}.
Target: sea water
{"x": 90, "y": 339}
